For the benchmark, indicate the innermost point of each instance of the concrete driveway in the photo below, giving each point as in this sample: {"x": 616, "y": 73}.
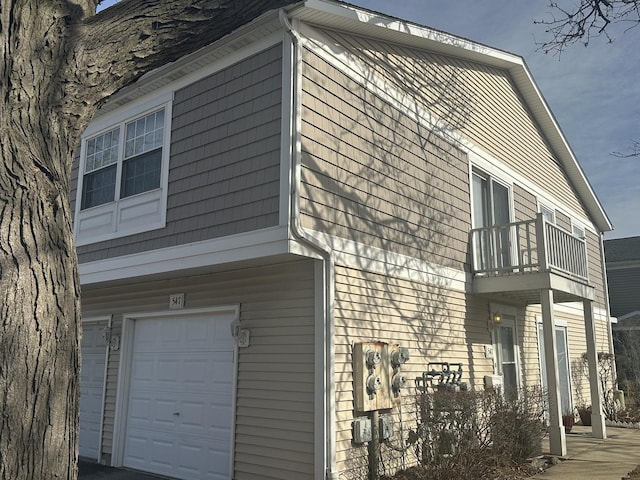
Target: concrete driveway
{"x": 93, "y": 471}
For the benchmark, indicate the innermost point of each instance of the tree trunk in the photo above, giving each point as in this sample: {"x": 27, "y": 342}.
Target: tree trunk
{"x": 39, "y": 364}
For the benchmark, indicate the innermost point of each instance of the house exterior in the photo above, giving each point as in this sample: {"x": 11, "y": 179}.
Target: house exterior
{"x": 622, "y": 256}
{"x": 320, "y": 178}
{"x": 623, "y": 274}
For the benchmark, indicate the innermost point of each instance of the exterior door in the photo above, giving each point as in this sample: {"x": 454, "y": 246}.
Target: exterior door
{"x": 563, "y": 366}
{"x": 179, "y": 418}
{"x": 94, "y": 355}
{"x": 491, "y": 207}
{"x": 506, "y": 357}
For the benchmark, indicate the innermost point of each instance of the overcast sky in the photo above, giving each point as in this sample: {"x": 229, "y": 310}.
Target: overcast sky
{"x": 593, "y": 92}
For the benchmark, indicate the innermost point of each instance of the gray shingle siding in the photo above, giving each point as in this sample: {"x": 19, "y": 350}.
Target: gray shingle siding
{"x": 224, "y": 174}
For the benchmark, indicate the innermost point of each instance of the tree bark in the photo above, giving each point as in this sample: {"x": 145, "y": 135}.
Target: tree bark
{"x": 58, "y": 63}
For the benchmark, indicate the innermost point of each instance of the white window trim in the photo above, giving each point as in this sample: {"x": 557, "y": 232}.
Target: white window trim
{"x": 106, "y": 219}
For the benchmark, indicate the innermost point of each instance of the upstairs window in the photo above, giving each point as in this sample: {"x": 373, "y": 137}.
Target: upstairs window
{"x": 115, "y": 169}
{"x": 577, "y": 231}
{"x": 124, "y": 173}
{"x": 549, "y": 214}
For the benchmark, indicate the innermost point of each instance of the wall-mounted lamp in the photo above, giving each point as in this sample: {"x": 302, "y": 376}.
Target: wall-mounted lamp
{"x": 496, "y": 318}
{"x": 240, "y": 334}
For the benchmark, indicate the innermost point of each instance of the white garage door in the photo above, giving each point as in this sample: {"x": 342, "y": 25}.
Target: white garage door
{"x": 93, "y": 351}
{"x": 180, "y": 400}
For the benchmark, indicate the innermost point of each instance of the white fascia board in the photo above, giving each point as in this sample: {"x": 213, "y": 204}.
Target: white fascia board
{"x": 365, "y": 22}
{"x": 244, "y": 246}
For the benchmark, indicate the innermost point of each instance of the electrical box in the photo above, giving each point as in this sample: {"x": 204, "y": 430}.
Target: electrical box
{"x": 362, "y": 430}
{"x": 385, "y": 428}
{"x": 371, "y": 373}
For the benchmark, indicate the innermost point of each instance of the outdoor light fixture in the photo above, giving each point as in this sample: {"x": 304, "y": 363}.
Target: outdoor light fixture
{"x": 496, "y": 318}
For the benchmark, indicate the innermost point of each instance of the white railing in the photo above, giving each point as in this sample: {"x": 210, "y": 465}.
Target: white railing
{"x": 528, "y": 246}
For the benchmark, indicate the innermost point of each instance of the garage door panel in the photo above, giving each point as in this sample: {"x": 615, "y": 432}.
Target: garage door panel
{"x": 193, "y": 415}
{"x": 180, "y": 397}
{"x": 197, "y": 372}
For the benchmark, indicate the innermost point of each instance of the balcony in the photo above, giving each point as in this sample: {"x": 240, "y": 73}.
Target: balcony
{"x": 519, "y": 259}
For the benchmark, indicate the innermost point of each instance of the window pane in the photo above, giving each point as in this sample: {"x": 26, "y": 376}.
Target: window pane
{"x": 144, "y": 134}
{"x": 141, "y": 173}
{"x": 548, "y": 214}
{"x": 500, "y": 204}
{"x": 577, "y": 231}
{"x": 510, "y": 380}
{"x": 102, "y": 150}
{"x": 506, "y": 343}
{"x": 98, "y": 187}
{"x": 480, "y": 214}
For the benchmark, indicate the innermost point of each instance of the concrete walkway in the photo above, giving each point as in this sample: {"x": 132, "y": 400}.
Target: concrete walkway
{"x": 588, "y": 459}
{"x": 592, "y": 459}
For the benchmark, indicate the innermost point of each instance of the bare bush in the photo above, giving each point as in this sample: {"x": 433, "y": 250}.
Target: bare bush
{"x": 472, "y": 435}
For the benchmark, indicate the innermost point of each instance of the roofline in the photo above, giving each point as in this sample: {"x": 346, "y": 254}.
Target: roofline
{"x": 353, "y": 19}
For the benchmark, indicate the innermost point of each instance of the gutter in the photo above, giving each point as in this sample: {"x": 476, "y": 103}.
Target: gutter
{"x": 323, "y": 250}
{"x": 605, "y": 288}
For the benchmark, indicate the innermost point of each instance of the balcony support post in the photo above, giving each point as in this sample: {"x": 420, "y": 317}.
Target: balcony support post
{"x": 557, "y": 439}
{"x": 598, "y": 427}
{"x": 541, "y": 243}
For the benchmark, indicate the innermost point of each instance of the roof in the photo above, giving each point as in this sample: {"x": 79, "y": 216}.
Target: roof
{"x": 349, "y": 18}
{"x": 622, "y": 249}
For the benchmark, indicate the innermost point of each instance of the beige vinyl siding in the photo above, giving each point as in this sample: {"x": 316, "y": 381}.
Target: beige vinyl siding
{"x": 480, "y": 100}
{"x": 275, "y": 385}
{"x": 596, "y": 268}
{"x": 224, "y": 173}
{"x": 525, "y": 204}
{"x": 372, "y": 175}
{"x": 563, "y": 221}
{"x": 435, "y": 323}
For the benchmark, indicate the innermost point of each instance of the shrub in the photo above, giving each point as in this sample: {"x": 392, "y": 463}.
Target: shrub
{"x": 470, "y": 435}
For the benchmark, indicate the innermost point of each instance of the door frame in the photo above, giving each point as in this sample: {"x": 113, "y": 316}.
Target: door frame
{"x": 124, "y": 374}
{"x": 95, "y": 320}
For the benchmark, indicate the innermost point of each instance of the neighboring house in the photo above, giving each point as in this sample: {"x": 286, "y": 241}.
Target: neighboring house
{"x": 321, "y": 177}
{"x": 622, "y": 256}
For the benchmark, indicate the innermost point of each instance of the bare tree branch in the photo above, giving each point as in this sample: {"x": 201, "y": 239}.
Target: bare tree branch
{"x": 586, "y": 20}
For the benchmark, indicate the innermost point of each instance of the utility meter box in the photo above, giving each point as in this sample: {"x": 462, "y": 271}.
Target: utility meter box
{"x": 372, "y": 390}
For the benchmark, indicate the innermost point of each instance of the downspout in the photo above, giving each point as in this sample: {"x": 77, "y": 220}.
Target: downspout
{"x": 605, "y": 287}
{"x": 323, "y": 250}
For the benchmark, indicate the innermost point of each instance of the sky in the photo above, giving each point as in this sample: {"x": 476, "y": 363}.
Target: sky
{"x": 593, "y": 91}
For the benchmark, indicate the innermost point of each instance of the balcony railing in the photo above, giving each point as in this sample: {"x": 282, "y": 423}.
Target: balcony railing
{"x": 528, "y": 246}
